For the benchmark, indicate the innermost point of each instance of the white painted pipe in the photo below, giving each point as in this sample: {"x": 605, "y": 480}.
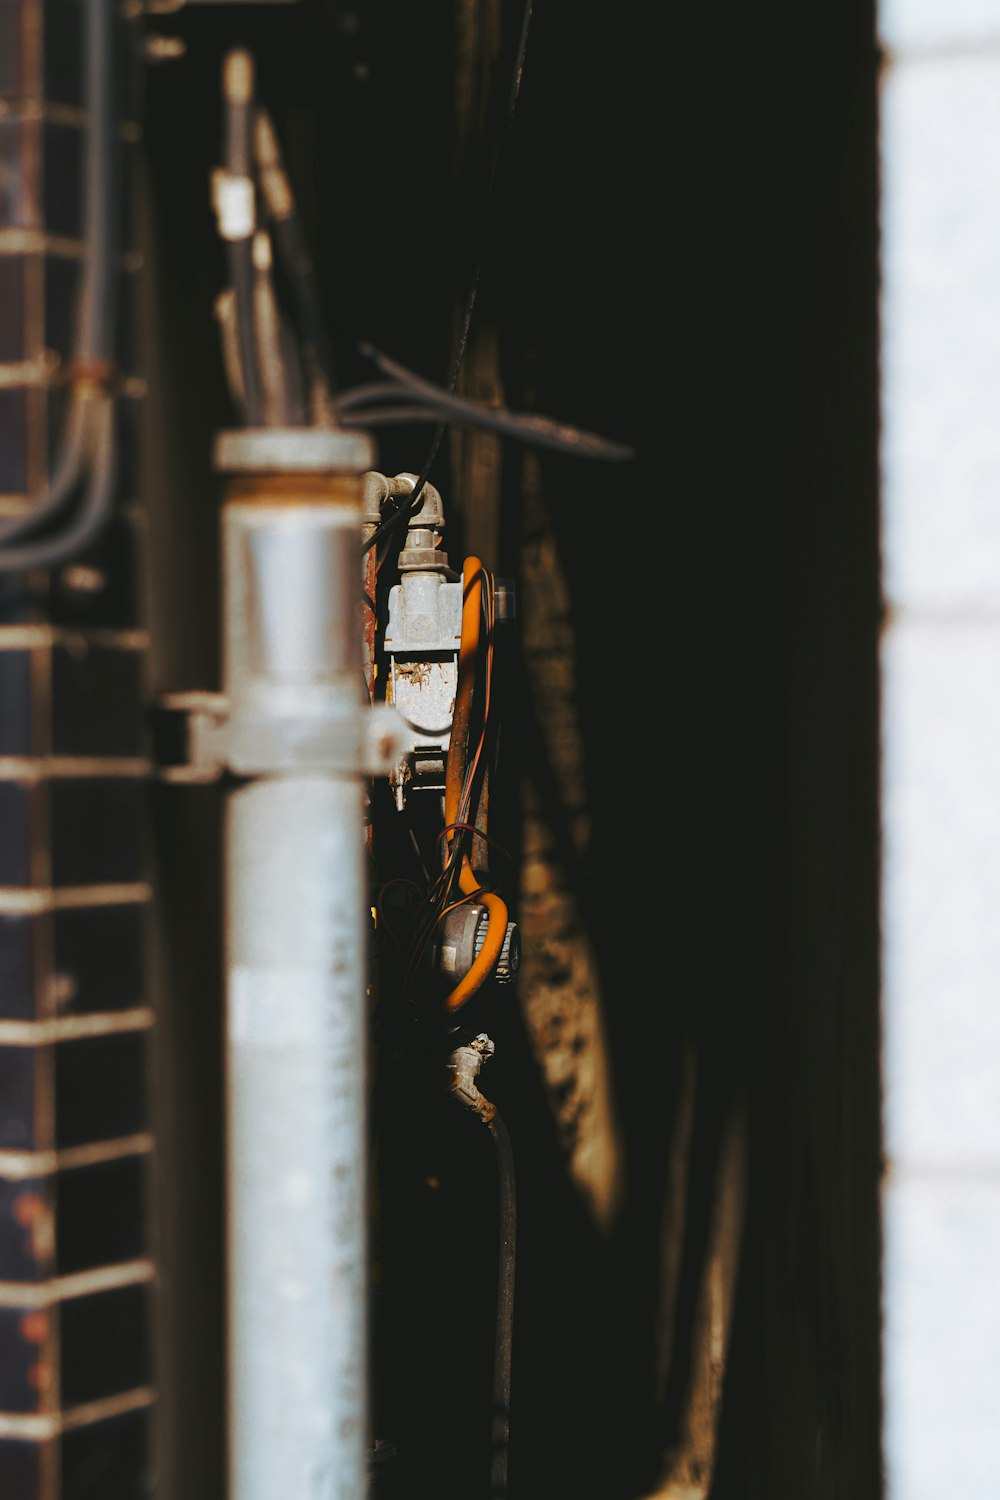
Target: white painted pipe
{"x": 297, "y": 1147}
{"x": 299, "y": 734}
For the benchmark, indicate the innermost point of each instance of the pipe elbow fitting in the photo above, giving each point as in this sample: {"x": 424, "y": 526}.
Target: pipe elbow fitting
{"x": 464, "y": 1065}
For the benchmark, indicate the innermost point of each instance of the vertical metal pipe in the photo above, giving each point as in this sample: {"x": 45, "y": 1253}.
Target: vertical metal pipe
{"x": 296, "y": 1110}
{"x": 296, "y": 971}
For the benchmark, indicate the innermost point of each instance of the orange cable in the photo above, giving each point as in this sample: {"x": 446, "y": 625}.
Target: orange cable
{"x": 455, "y": 767}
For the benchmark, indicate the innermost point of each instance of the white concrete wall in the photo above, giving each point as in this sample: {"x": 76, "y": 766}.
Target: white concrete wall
{"x": 940, "y": 160}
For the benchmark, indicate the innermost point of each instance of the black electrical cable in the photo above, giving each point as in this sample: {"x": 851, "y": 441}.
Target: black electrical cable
{"x": 237, "y": 89}
{"x": 389, "y": 416}
{"x": 292, "y": 249}
{"x": 97, "y": 321}
{"x": 91, "y": 363}
{"x": 393, "y": 522}
{"x": 505, "y": 1308}
{"x": 538, "y": 430}
{"x": 239, "y": 255}
{"x": 281, "y": 394}
{"x": 372, "y": 394}
{"x": 403, "y": 514}
{"x": 433, "y": 403}
{"x": 522, "y": 45}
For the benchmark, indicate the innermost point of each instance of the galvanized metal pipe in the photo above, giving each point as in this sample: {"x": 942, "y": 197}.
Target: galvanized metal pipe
{"x": 296, "y": 960}
{"x": 296, "y": 1109}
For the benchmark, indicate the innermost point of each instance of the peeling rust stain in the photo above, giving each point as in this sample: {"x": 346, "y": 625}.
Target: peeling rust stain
{"x": 369, "y": 617}
{"x": 31, "y": 1211}
{"x": 417, "y": 673}
{"x": 28, "y": 1208}
{"x": 34, "y": 1326}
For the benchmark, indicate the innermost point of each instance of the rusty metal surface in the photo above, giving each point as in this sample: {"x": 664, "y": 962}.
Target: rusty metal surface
{"x": 72, "y": 1063}
{"x": 559, "y": 988}
{"x": 28, "y": 1370}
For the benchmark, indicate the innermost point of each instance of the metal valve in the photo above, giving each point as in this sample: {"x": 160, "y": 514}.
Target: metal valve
{"x": 463, "y": 932}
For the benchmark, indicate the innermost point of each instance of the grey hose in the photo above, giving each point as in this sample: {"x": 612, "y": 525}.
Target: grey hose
{"x": 93, "y": 350}
{"x": 97, "y": 503}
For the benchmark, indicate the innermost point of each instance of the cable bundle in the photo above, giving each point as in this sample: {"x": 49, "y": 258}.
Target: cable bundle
{"x": 88, "y": 449}
{"x": 462, "y": 844}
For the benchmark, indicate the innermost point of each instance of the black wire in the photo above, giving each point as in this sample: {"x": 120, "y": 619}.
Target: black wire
{"x": 95, "y": 339}
{"x": 539, "y": 430}
{"x": 237, "y": 120}
{"x": 515, "y": 86}
{"x": 384, "y": 528}
{"x": 503, "y": 1342}
{"x": 295, "y": 257}
{"x": 299, "y": 269}
{"x": 372, "y": 393}
{"x": 239, "y": 262}
{"x": 388, "y": 416}
{"x": 433, "y": 403}
{"x": 409, "y": 509}
{"x": 282, "y": 402}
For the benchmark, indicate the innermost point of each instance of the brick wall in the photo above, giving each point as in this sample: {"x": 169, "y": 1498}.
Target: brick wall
{"x": 75, "y": 1018}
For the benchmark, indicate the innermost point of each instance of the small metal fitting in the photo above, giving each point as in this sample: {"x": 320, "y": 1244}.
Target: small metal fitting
{"x": 422, "y": 637}
{"x": 465, "y": 1064}
{"x": 421, "y": 552}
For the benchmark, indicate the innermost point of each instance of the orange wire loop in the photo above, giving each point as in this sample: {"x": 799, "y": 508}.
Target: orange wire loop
{"x": 456, "y": 779}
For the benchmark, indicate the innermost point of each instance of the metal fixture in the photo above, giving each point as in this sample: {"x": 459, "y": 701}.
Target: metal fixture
{"x": 301, "y": 728}
{"x": 463, "y": 932}
{"x": 465, "y": 1065}
{"x": 422, "y": 640}
{"x": 295, "y": 725}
